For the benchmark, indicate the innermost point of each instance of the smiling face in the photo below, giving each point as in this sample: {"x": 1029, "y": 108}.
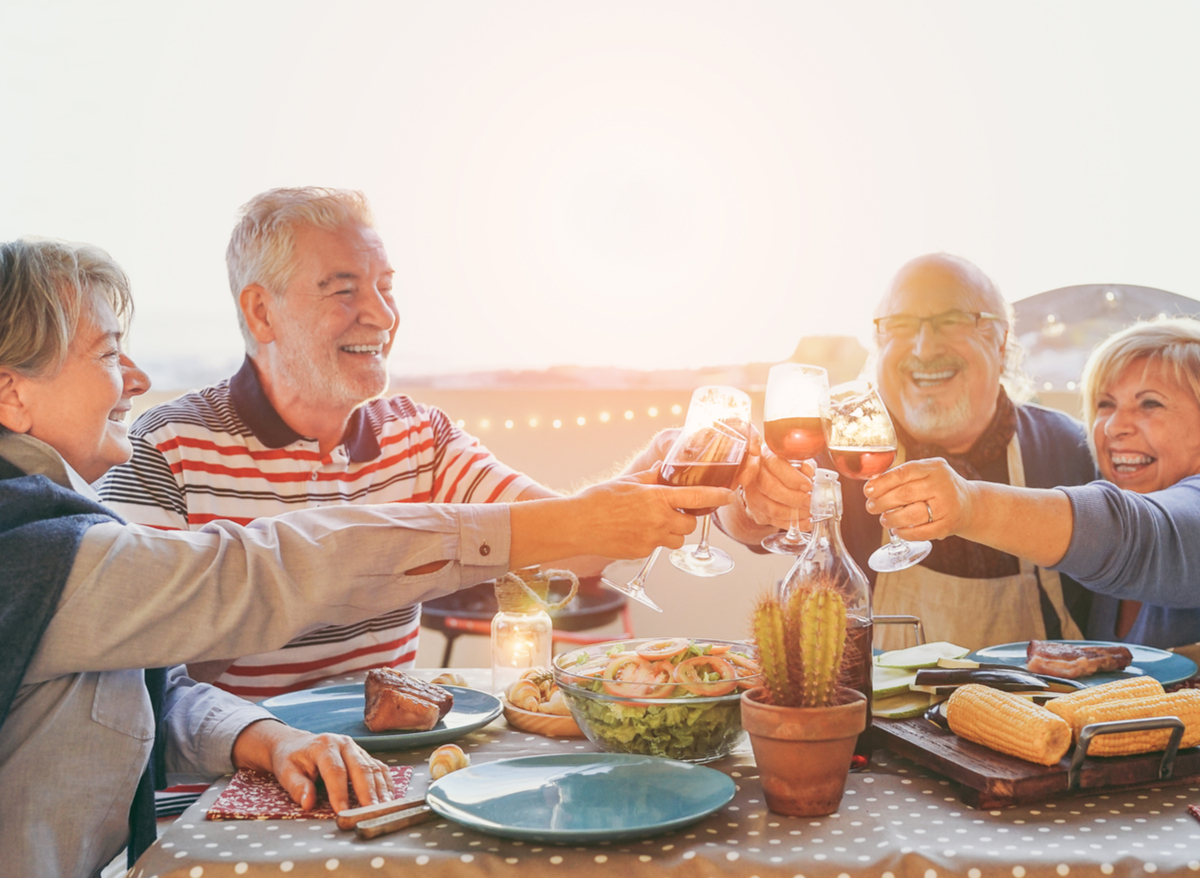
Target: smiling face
{"x": 81, "y": 409}
{"x": 1147, "y": 429}
{"x": 332, "y": 326}
{"x": 941, "y": 387}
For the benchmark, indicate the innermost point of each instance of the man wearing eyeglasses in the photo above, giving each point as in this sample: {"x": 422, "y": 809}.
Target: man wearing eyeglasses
{"x": 946, "y": 359}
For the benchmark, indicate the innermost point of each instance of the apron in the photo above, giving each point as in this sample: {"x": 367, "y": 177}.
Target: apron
{"x": 968, "y": 612}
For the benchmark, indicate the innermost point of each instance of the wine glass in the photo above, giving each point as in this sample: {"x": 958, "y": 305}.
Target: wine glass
{"x": 862, "y": 443}
{"x": 708, "y": 451}
{"x": 797, "y": 395}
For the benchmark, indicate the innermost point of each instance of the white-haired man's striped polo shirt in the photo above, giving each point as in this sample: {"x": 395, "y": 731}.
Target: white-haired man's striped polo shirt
{"x": 225, "y": 453}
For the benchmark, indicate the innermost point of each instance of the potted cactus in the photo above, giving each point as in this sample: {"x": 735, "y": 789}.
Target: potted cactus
{"x": 802, "y": 724}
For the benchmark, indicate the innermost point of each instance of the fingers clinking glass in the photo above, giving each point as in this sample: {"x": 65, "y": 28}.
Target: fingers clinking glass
{"x": 708, "y": 451}
{"x": 797, "y": 396}
{"x": 862, "y": 444}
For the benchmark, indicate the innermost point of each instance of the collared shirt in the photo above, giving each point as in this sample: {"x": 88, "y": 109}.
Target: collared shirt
{"x": 79, "y": 732}
{"x": 225, "y": 453}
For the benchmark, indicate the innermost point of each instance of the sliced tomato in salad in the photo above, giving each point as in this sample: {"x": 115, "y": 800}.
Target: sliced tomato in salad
{"x": 632, "y": 677}
{"x": 665, "y": 649}
{"x": 745, "y": 668}
{"x": 706, "y": 675}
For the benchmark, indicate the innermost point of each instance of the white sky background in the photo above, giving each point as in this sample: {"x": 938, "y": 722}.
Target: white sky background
{"x": 642, "y": 184}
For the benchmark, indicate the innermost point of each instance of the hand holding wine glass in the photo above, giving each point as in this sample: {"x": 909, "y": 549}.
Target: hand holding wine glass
{"x": 862, "y": 443}
{"x": 797, "y": 397}
{"x": 707, "y": 451}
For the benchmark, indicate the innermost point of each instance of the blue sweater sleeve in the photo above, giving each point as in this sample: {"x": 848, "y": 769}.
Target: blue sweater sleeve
{"x": 1144, "y": 547}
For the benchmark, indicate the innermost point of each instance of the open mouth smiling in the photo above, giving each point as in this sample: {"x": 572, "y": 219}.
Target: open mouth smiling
{"x": 932, "y": 378}
{"x": 1129, "y": 462}
{"x": 363, "y": 349}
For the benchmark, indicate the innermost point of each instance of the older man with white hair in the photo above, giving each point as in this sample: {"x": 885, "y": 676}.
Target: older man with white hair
{"x": 303, "y": 424}
{"x": 945, "y": 363}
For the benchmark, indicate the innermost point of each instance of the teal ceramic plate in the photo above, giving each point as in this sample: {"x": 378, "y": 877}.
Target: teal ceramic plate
{"x": 574, "y": 799}
{"x": 1168, "y": 668}
{"x": 339, "y": 709}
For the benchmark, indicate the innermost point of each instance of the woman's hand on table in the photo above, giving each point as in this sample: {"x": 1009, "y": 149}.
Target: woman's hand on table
{"x": 297, "y": 759}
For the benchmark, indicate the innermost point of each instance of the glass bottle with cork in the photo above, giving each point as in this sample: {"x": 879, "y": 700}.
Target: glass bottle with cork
{"x": 825, "y": 559}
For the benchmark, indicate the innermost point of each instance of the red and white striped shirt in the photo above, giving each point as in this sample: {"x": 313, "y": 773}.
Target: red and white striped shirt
{"x": 225, "y": 453}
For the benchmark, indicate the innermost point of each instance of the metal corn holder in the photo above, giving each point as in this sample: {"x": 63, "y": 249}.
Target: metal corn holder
{"x": 1092, "y": 730}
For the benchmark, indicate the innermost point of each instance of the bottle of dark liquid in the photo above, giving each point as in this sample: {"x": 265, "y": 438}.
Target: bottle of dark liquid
{"x": 826, "y": 559}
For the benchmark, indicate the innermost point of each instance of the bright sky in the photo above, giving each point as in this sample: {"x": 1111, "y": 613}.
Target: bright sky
{"x": 641, "y": 184}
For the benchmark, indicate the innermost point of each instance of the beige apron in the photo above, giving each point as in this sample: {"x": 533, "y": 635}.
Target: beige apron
{"x": 968, "y": 612}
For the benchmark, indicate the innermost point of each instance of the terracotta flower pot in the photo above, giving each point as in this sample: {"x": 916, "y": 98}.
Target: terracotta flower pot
{"x": 804, "y": 754}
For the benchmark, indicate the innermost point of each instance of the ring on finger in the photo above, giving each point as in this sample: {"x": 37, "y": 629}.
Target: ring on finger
{"x": 929, "y": 510}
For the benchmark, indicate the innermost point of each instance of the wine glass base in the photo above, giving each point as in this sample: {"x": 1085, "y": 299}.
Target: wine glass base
{"x": 780, "y": 543}
{"x": 889, "y": 558}
{"x": 717, "y": 563}
{"x": 634, "y": 592}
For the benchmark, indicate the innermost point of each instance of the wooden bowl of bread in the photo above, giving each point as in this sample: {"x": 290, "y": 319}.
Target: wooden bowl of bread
{"x": 534, "y": 704}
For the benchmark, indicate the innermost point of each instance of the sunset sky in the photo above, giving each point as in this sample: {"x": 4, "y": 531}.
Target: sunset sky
{"x": 640, "y": 184}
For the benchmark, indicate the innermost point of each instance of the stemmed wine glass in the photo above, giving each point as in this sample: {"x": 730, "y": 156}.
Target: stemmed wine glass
{"x": 708, "y": 451}
{"x": 862, "y": 443}
{"x": 797, "y": 396}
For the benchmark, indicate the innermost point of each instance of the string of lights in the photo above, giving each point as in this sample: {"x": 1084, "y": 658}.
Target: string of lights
{"x": 533, "y": 421}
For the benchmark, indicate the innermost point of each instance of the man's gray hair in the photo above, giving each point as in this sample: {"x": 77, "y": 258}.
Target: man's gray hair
{"x": 45, "y": 285}
{"x": 261, "y": 248}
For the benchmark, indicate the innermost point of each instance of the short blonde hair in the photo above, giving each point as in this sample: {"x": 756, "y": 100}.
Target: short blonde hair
{"x": 45, "y": 285}
{"x": 261, "y": 247}
{"x": 1172, "y": 344}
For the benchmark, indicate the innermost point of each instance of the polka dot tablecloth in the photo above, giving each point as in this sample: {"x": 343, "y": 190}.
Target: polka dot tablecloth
{"x": 896, "y": 819}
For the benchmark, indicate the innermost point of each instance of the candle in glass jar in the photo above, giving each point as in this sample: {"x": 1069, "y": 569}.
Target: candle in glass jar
{"x": 520, "y": 641}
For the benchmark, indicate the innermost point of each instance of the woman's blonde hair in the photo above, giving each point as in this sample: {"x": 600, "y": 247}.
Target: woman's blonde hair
{"x": 1172, "y": 344}
{"x": 45, "y": 285}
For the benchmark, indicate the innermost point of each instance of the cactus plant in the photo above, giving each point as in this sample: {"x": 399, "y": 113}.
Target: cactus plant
{"x": 800, "y": 643}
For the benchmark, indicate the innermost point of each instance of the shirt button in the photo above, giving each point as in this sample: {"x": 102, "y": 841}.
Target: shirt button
{"x": 485, "y": 550}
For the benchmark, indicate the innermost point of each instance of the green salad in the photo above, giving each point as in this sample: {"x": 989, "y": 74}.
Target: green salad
{"x": 610, "y": 695}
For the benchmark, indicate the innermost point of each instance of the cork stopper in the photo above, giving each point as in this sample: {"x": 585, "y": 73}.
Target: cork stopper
{"x": 526, "y": 590}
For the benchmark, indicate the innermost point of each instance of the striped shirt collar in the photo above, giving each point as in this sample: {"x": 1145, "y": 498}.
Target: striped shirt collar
{"x": 252, "y": 406}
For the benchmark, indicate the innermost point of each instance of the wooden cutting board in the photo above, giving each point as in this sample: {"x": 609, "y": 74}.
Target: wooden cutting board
{"x": 989, "y": 779}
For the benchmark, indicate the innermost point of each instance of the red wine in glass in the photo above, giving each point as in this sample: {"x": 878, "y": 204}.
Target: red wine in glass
{"x": 862, "y": 462}
{"x": 719, "y": 475}
{"x": 795, "y": 439}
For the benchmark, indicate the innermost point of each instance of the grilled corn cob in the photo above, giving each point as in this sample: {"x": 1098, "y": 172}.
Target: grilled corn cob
{"x": 1069, "y": 705}
{"x": 1184, "y": 704}
{"x": 1008, "y": 723}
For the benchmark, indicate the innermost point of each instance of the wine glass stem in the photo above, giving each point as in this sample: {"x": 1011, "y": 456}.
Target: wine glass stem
{"x": 701, "y": 552}
{"x": 794, "y": 533}
{"x": 640, "y": 580}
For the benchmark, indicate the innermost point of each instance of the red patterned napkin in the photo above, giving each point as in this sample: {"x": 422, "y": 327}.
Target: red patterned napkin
{"x": 257, "y": 795}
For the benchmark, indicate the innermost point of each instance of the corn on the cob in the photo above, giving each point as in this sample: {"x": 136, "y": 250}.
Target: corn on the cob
{"x": 1184, "y": 704}
{"x": 1067, "y": 706}
{"x": 1008, "y": 723}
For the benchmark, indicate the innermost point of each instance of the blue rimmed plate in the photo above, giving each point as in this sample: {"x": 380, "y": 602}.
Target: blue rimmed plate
{"x": 574, "y": 799}
{"x": 339, "y": 709}
{"x": 1168, "y": 668}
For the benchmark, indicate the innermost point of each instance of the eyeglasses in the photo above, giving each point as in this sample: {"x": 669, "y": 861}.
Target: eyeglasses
{"x": 948, "y": 324}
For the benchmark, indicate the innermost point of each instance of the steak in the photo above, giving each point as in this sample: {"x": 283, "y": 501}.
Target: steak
{"x": 1074, "y": 660}
{"x": 396, "y": 701}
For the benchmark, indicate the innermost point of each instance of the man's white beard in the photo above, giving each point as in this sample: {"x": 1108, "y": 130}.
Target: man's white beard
{"x": 930, "y": 422}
